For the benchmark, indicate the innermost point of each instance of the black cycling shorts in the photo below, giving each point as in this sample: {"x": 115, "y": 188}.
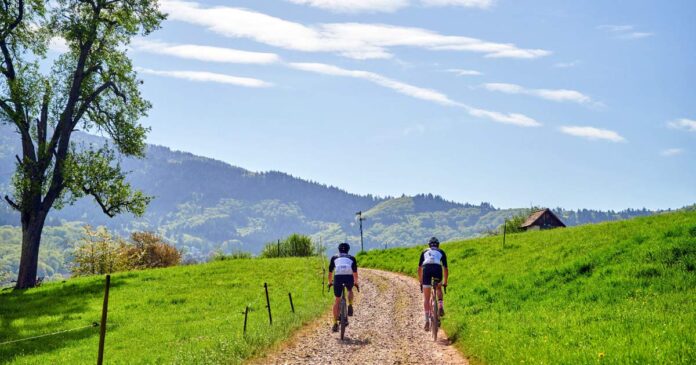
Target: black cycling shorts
{"x": 431, "y": 271}
{"x": 339, "y": 281}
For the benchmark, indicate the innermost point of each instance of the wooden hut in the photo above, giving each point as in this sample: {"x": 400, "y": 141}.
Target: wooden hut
{"x": 542, "y": 219}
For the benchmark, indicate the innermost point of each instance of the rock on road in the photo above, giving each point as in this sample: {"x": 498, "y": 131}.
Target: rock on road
{"x": 387, "y": 329}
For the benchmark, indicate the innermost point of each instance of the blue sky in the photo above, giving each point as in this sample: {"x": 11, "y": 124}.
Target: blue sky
{"x": 556, "y": 103}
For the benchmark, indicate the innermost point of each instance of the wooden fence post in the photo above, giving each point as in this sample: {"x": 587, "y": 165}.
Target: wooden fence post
{"x": 102, "y": 328}
{"x": 292, "y": 306}
{"x": 246, "y": 314}
{"x": 268, "y": 304}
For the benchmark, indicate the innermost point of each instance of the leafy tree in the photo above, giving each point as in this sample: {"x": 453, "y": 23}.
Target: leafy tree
{"x": 98, "y": 253}
{"x": 92, "y": 86}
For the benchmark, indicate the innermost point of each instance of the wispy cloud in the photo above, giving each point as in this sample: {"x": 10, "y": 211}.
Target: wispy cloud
{"x": 355, "y": 6}
{"x": 483, "y": 4}
{"x": 201, "y": 76}
{"x": 626, "y": 32}
{"x": 414, "y": 130}
{"x": 672, "y": 152}
{"x": 566, "y": 64}
{"x": 462, "y": 72}
{"x": 359, "y": 6}
{"x": 559, "y": 95}
{"x": 353, "y": 40}
{"x": 430, "y": 95}
{"x": 204, "y": 53}
{"x": 688, "y": 125}
{"x": 592, "y": 133}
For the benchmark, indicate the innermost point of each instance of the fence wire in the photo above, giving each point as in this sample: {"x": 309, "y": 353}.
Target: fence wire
{"x": 95, "y": 324}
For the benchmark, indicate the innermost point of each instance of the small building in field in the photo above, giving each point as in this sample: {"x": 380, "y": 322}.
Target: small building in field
{"x": 542, "y": 219}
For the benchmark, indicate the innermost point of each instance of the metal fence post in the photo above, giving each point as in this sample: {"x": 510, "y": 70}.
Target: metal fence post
{"x": 292, "y": 306}
{"x": 102, "y": 328}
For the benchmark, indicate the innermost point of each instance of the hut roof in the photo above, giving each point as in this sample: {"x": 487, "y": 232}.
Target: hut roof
{"x": 535, "y": 217}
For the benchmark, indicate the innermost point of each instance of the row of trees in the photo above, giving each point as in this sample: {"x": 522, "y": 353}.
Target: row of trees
{"x": 100, "y": 252}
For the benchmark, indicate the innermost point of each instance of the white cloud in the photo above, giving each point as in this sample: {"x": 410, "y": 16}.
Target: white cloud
{"x": 417, "y": 92}
{"x": 559, "y": 95}
{"x": 592, "y": 133}
{"x": 566, "y": 64}
{"x": 353, "y": 40}
{"x": 58, "y": 44}
{"x": 205, "y": 53}
{"x": 672, "y": 152}
{"x": 626, "y": 32}
{"x": 683, "y": 124}
{"x": 635, "y": 35}
{"x": 201, "y": 76}
{"x": 462, "y": 72}
{"x": 414, "y": 129}
{"x": 483, "y": 4}
{"x": 355, "y": 6}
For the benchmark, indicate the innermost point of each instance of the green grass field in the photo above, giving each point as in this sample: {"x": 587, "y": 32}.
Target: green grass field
{"x": 621, "y": 293}
{"x": 181, "y": 315}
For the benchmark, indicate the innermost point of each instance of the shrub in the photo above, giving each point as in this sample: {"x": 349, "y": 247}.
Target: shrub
{"x": 238, "y": 255}
{"x": 97, "y": 253}
{"x": 149, "y": 250}
{"x": 296, "y": 245}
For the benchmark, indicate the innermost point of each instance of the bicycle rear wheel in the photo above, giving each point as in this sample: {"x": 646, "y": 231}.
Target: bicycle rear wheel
{"x": 435, "y": 314}
{"x": 343, "y": 313}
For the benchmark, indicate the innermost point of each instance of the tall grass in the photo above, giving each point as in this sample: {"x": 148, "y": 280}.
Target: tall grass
{"x": 181, "y": 315}
{"x": 621, "y": 292}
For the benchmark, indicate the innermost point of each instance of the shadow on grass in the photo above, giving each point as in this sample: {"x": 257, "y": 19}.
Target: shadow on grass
{"x": 68, "y": 306}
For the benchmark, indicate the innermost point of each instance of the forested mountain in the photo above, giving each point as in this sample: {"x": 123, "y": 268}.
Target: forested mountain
{"x": 203, "y": 205}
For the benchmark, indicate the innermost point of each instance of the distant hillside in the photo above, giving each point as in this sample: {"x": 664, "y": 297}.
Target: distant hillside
{"x": 203, "y": 205}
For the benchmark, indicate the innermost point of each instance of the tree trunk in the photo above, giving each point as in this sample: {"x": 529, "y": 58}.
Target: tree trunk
{"x": 32, "y": 227}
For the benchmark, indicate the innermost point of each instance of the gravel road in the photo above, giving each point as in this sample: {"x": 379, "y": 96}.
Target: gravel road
{"x": 387, "y": 329}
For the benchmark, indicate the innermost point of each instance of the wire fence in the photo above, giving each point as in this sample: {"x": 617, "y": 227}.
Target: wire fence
{"x": 93, "y": 325}
{"x": 280, "y": 299}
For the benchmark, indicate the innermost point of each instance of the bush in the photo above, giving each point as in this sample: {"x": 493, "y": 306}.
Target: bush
{"x": 149, "y": 250}
{"x": 98, "y": 253}
{"x": 239, "y": 255}
{"x": 296, "y": 245}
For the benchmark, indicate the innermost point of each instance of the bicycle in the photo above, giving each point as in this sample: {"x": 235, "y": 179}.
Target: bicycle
{"x": 434, "y": 316}
{"x": 343, "y": 309}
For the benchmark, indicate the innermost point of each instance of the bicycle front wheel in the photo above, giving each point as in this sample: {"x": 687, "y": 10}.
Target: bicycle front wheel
{"x": 434, "y": 310}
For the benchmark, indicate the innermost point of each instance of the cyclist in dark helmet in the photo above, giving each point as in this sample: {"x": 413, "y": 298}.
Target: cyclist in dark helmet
{"x": 432, "y": 264}
{"x": 343, "y": 270}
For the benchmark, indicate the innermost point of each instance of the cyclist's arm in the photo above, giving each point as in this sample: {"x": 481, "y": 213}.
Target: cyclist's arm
{"x": 420, "y": 268}
{"x": 355, "y": 271}
{"x": 445, "y": 270}
{"x": 332, "y": 266}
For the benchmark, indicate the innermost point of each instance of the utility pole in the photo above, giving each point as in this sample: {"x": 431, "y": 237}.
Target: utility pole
{"x": 361, "y": 219}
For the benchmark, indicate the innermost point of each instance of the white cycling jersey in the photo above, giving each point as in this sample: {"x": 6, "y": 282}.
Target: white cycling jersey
{"x": 432, "y": 256}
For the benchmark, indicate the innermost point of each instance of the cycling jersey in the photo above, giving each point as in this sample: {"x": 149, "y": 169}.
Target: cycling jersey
{"x": 433, "y": 256}
{"x": 433, "y": 259}
{"x": 343, "y": 264}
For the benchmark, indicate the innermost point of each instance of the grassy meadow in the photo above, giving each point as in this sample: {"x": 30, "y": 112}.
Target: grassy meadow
{"x": 180, "y": 315}
{"x": 619, "y": 293}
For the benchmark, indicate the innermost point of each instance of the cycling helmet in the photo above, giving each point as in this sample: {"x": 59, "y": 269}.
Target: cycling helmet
{"x": 434, "y": 242}
{"x": 343, "y": 247}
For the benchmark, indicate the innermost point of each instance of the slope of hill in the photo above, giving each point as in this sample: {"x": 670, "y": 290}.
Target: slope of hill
{"x": 620, "y": 292}
{"x": 180, "y": 315}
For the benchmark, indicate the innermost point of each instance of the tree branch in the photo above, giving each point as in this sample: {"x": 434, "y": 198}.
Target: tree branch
{"x": 107, "y": 210}
{"x": 17, "y": 20}
{"x": 14, "y": 205}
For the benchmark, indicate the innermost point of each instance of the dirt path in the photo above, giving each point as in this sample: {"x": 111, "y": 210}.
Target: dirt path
{"x": 387, "y": 329}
